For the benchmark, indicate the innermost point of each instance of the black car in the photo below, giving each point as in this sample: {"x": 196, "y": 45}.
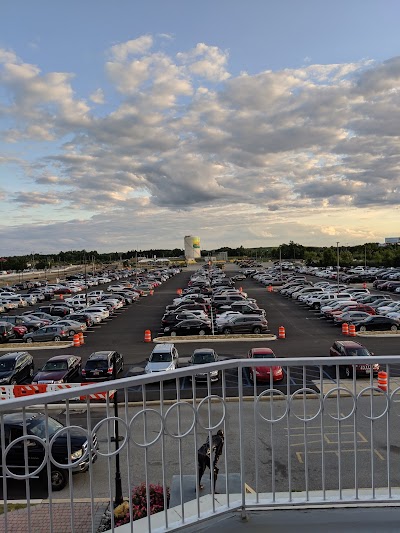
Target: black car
{"x": 377, "y": 323}
{"x": 7, "y": 332}
{"x": 16, "y": 367}
{"x": 170, "y": 319}
{"x": 352, "y": 349}
{"x": 100, "y": 365}
{"x": 71, "y": 447}
{"x": 24, "y": 320}
{"x": 56, "y": 310}
{"x": 82, "y": 317}
{"x": 189, "y": 327}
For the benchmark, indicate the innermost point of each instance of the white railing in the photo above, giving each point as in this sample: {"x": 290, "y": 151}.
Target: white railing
{"x": 312, "y": 438}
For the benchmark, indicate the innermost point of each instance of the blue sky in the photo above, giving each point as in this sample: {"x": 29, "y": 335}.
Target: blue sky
{"x": 131, "y": 124}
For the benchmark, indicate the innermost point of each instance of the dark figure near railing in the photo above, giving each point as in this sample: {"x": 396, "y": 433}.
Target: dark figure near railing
{"x": 204, "y": 456}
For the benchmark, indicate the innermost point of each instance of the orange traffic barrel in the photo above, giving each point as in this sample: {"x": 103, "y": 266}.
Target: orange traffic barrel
{"x": 179, "y": 291}
{"x": 151, "y": 292}
{"x": 383, "y": 381}
{"x": 282, "y": 333}
{"x": 352, "y": 330}
{"x": 61, "y": 297}
{"x": 147, "y": 336}
{"x": 81, "y": 340}
{"x": 269, "y": 288}
{"x": 77, "y": 341}
{"x": 345, "y": 329}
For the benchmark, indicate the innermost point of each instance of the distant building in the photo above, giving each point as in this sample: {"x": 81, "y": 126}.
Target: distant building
{"x": 192, "y": 247}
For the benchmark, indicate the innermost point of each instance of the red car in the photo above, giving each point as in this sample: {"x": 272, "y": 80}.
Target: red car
{"x": 263, "y": 372}
{"x": 20, "y": 331}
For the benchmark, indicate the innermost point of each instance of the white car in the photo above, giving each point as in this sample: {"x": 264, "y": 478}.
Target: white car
{"x": 103, "y": 311}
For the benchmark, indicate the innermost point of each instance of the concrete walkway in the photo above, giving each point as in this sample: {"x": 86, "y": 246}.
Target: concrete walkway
{"x": 17, "y": 521}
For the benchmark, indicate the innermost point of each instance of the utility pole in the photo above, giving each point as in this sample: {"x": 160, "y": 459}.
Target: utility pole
{"x": 338, "y": 264}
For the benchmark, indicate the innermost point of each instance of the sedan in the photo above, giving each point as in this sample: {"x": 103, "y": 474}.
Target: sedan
{"x": 377, "y": 323}
{"x": 263, "y": 373}
{"x": 189, "y": 327}
{"x": 349, "y": 317}
{"x": 245, "y": 324}
{"x": 59, "y": 369}
{"x": 48, "y": 333}
{"x": 72, "y": 326}
{"x": 352, "y": 349}
{"x": 203, "y": 356}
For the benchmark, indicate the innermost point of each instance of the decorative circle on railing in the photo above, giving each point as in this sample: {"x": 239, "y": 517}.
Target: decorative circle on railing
{"x": 330, "y": 393}
{"x": 207, "y": 399}
{"x": 376, "y": 389}
{"x": 257, "y": 406}
{"x": 146, "y": 444}
{"x": 302, "y": 391}
{"x": 120, "y": 446}
{"x": 170, "y": 409}
{"x": 59, "y": 432}
{"x": 34, "y": 472}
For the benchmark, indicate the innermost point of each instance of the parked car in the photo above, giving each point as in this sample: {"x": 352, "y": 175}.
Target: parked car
{"x": 82, "y": 317}
{"x": 41, "y": 315}
{"x": 48, "y": 333}
{"x": 65, "y": 450}
{"x": 377, "y": 323}
{"x": 244, "y": 324}
{"x": 263, "y": 373}
{"x": 72, "y": 326}
{"x": 56, "y": 310}
{"x": 6, "y": 332}
{"x": 193, "y": 326}
{"x": 31, "y": 323}
{"x": 163, "y": 358}
{"x": 352, "y": 349}
{"x": 20, "y": 331}
{"x": 16, "y": 367}
{"x": 349, "y": 317}
{"x": 59, "y": 369}
{"x": 203, "y": 356}
{"x": 100, "y": 365}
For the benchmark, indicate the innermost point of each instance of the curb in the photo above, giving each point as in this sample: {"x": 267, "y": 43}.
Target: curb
{"x": 26, "y": 346}
{"x": 215, "y": 338}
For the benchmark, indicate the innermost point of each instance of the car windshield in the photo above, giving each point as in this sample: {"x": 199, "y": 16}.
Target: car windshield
{"x": 358, "y": 352}
{"x": 199, "y": 358}
{"x": 6, "y": 365}
{"x": 38, "y": 427}
{"x": 264, "y": 355}
{"x": 160, "y": 357}
{"x": 93, "y": 365}
{"x": 55, "y": 365}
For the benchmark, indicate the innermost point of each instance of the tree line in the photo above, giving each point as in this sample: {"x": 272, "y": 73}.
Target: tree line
{"x": 369, "y": 254}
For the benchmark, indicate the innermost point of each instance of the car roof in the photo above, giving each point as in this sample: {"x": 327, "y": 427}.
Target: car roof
{"x": 350, "y": 344}
{"x": 60, "y": 357}
{"x": 261, "y": 351}
{"x": 12, "y": 355}
{"x": 163, "y": 347}
{"x": 100, "y": 355}
{"x": 204, "y": 350}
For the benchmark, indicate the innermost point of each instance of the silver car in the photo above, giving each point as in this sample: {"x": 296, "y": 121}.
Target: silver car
{"x": 163, "y": 358}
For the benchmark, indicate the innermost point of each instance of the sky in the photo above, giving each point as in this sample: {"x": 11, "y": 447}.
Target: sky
{"x": 127, "y": 124}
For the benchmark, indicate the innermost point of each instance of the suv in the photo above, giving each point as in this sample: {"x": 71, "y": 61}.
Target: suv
{"x": 244, "y": 324}
{"x": 164, "y": 357}
{"x": 31, "y": 323}
{"x": 100, "y": 365}
{"x": 6, "y": 332}
{"x": 352, "y": 349}
{"x": 64, "y": 450}
{"x": 202, "y": 356}
{"x": 56, "y": 310}
{"x": 16, "y": 367}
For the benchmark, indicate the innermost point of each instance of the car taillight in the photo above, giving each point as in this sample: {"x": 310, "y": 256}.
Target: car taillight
{"x": 110, "y": 371}
{"x": 83, "y": 372}
{"x": 62, "y": 332}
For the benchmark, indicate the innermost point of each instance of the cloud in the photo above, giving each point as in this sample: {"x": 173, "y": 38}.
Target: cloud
{"x": 183, "y": 144}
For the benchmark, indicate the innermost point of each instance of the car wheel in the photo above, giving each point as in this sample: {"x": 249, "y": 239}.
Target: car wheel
{"x": 257, "y": 330}
{"x": 227, "y": 331}
{"x": 29, "y": 339}
{"x": 393, "y": 327}
{"x": 363, "y": 328}
{"x": 59, "y": 479}
{"x": 57, "y": 338}
{"x": 173, "y": 334}
{"x": 71, "y": 332}
{"x": 202, "y": 332}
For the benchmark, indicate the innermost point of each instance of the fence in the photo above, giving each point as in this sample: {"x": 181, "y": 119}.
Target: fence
{"x": 311, "y": 437}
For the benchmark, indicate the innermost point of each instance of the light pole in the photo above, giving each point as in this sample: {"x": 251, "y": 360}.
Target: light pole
{"x": 280, "y": 260}
{"x": 365, "y": 257}
{"x": 338, "y": 264}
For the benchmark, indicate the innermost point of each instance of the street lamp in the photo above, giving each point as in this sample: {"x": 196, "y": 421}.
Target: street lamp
{"x": 338, "y": 264}
{"x": 280, "y": 260}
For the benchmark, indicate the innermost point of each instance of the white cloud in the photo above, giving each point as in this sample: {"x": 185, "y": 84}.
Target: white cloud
{"x": 185, "y": 143}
